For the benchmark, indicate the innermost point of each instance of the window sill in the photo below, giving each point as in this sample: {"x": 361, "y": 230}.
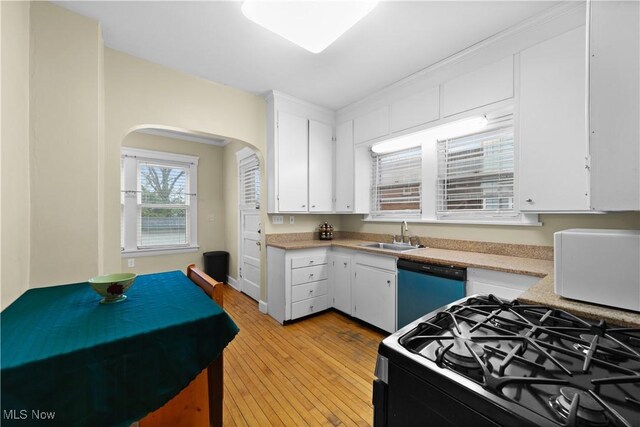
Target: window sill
{"x": 158, "y": 251}
{"x": 454, "y": 221}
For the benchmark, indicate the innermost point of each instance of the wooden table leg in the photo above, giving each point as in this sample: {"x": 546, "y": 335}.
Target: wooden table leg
{"x": 216, "y": 391}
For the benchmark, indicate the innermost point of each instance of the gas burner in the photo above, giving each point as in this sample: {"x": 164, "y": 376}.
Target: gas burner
{"x": 602, "y": 341}
{"x": 589, "y": 412}
{"x": 602, "y": 345}
{"x": 457, "y": 355}
{"x": 505, "y": 320}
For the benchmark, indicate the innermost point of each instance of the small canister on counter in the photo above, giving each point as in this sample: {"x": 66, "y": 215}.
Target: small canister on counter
{"x": 326, "y": 231}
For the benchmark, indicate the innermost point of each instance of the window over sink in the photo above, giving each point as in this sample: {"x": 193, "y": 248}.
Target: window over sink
{"x": 158, "y": 201}
{"x": 453, "y": 173}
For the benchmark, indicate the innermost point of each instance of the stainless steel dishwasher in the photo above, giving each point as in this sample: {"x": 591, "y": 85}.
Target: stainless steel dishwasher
{"x": 423, "y": 288}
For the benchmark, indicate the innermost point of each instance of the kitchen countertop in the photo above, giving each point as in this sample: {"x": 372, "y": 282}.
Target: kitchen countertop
{"x": 541, "y": 293}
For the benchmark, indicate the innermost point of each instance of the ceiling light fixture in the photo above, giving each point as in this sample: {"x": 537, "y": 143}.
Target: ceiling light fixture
{"x": 313, "y": 25}
{"x": 446, "y": 131}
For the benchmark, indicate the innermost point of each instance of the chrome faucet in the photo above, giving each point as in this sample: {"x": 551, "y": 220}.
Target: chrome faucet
{"x": 403, "y": 229}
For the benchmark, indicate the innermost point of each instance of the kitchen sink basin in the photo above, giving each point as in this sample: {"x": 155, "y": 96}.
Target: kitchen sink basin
{"x": 389, "y": 246}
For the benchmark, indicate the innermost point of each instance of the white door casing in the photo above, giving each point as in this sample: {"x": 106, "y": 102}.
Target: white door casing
{"x": 249, "y": 227}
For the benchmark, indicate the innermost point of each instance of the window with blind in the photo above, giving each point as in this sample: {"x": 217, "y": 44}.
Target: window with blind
{"x": 249, "y": 171}
{"x": 159, "y": 201}
{"x": 397, "y": 183}
{"x": 476, "y": 175}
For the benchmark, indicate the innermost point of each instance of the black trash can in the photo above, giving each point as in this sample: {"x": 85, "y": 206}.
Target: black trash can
{"x": 216, "y": 264}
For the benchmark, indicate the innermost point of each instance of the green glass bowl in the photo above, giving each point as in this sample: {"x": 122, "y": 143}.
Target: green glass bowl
{"x": 112, "y": 286}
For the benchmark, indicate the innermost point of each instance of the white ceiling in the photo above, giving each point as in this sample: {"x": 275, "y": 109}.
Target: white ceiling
{"x": 213, "y": 40}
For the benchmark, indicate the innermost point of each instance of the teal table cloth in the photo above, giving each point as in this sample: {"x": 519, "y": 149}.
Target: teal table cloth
{"x": 68, "y": 360}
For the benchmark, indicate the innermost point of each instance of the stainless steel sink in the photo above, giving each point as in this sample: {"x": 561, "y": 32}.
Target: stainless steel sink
{"x": 389, "y": 246}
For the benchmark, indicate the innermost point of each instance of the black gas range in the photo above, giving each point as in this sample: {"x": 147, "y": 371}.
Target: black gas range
{"x": 483, "y": 361}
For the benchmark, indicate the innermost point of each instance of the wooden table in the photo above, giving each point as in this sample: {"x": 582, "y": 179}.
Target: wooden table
{"x": 87, "y": 363}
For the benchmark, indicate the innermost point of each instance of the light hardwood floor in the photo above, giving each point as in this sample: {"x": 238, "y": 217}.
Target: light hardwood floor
{"x": 317, "y": 371}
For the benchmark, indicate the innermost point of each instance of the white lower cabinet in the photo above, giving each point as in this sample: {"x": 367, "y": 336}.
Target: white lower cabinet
{"x": 298, "y": 282}
{"x": 504, "y": 285}
{"x": 374, "y": 291}
{"x": 341, "y": 281}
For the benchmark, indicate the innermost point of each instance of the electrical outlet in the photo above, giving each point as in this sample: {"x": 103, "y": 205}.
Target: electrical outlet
{"x": 131, "y": 262}
{"x": 277, "y": 219}
{"x": 292, "y": 219}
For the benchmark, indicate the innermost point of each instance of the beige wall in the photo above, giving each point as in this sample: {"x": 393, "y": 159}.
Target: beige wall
{"x": 210, "y": 202}
{"x": 14, "y": 150}
{"x": 140, "y": 93}
{"x": 65, "y": 140}
{"x": 496, "y": 233}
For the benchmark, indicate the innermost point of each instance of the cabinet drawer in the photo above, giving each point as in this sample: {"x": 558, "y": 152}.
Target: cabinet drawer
{"x": 309, "y": 274}
{"x": 307, "y": 261}
{"x": 308, "y": 306}
{"x": 308, "y": 290}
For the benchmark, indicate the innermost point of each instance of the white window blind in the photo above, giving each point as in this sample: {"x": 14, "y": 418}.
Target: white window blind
{"x": 397, "y": 182}
{"x": 250, "y": 183}
{"x": 163, "y": 205}
{"x": 476, "y": 174}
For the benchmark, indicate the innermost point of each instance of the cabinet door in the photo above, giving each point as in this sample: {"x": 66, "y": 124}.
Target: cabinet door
{"x": 342, "y": 283}
{"x": 489, "y": 84}
{"x": 344, "y": 176}
{"x": 320, "y": 167}
{"x": 614, "y": 87}
{"x": 553, "y": 143}
{"x": 293, "y": 134}
{"x": 371, "y": 125}
{"x": 374, "y": 297}
{"x": 420, "y": 108}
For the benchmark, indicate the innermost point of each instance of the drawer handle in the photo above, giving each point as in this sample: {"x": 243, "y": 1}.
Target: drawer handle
{"x": 313, "y": 206}
{"x": 310, "y": 308}
{"x": 311, "y": 262}
{"x": 310, "y": 291}
{"x": 345, "y": 264}
{"x": 311, "y": 275}
{"x": 389, "y": 282}
{"x": 304, "y": 206}
{"x": 529, "y": 200}
{"x": 348, "y": 206}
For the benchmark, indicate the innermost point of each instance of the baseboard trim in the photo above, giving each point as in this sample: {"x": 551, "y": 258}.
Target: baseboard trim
{"x": 262, "y": 306}
{"x": 233, "y": 283}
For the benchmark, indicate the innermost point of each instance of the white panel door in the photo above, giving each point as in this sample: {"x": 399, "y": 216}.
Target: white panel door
{"x": 250, "y": 254}
{"x": 371, "y": 125}
{"x": 553, "y": 136}
{"x": 342, "y": 282}
{"x": 489, "y": 84}
{"x": 320, "y": 167}
{"x": 417, "y": 109}
{"x": 293, "y": 149}
{"x": 374, "y": 297}
{"x": 344, "y": 173}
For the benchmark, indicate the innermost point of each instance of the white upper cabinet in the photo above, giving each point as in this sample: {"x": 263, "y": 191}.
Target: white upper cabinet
{"x": 614, "y": 91}
{"x": 344, "y": 172}
{"x": 299, "y": 156}
{"x": 292, "y": 133}
{"x": 484, "y": 86}
{"x": 371, "y": 125}
{"x": 420, "y": 108}
{"x": 553, "y": 147}
{"x": 320, "y": 167}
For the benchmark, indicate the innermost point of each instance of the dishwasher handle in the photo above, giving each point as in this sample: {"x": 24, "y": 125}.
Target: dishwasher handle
{"x": 447, "y": 272}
